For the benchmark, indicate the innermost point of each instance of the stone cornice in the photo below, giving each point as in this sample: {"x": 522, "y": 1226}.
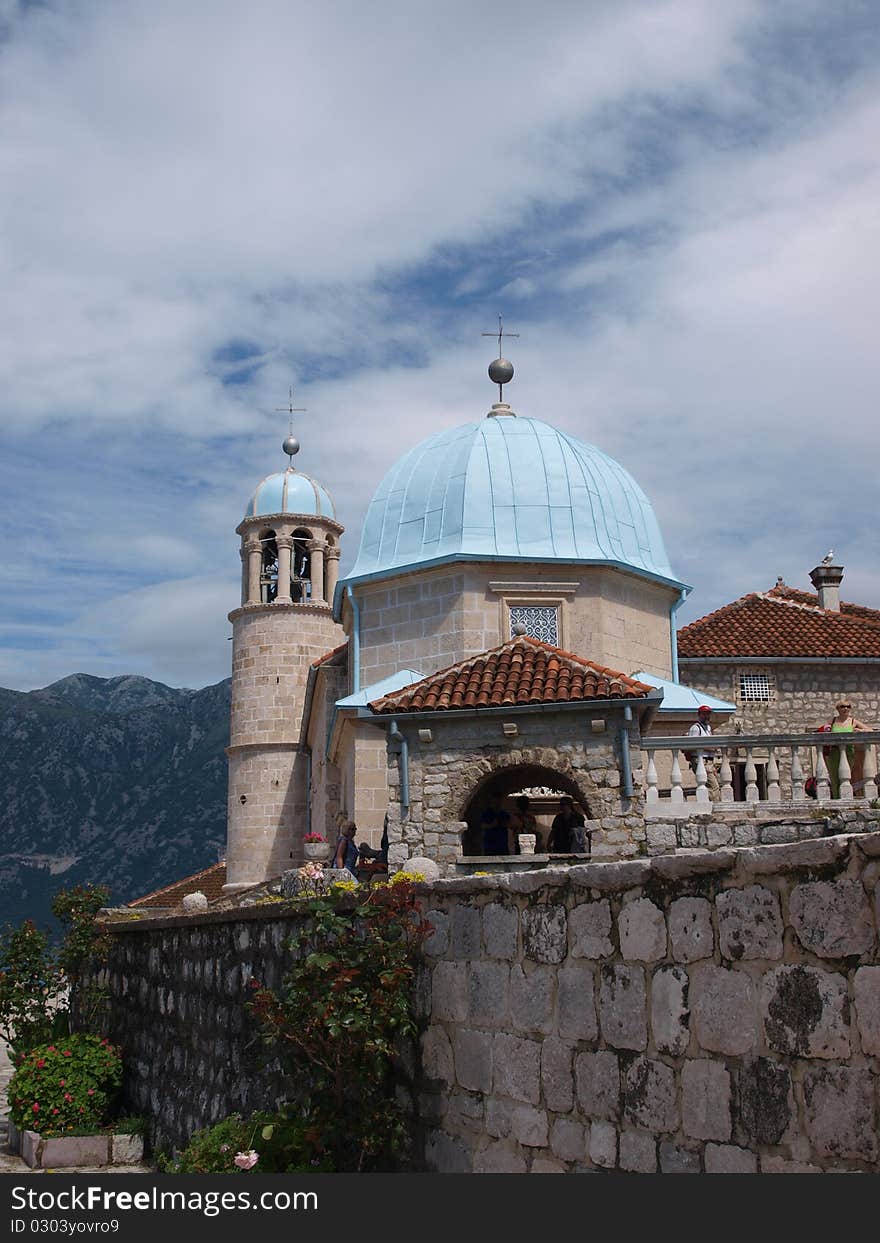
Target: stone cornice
{"x": 330, "y": 524}
{"x": 310, "y": 609}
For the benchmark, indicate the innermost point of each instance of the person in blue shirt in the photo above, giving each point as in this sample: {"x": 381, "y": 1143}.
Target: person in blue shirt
{"x": 346, "y": 853}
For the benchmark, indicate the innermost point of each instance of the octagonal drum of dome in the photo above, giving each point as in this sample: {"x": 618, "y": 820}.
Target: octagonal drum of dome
{"x": 512, "y": 489}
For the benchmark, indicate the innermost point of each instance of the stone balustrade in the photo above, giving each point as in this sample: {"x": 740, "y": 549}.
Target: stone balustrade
{"x": 788, "y": 761}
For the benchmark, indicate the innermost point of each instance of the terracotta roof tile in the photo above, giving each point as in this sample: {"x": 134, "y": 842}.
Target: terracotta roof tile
{"x": 328, "y": 656}
{"x": 782, "y": 622}
{"x": 522, "y": 671}
{"x": 209, "y": 881}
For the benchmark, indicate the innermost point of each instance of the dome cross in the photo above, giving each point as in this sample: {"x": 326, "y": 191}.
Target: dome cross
{"x": 500, "y": 370}
{"x": 291, "y": 444}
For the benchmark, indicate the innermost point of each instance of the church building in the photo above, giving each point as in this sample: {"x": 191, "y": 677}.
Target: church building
{"x": 510, "y": 587}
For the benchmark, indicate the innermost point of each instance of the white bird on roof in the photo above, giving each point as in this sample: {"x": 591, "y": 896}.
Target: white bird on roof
{"x": 828, "y": 559}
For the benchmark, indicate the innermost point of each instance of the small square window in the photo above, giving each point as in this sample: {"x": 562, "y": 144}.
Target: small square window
{"x": 754, "y": 688}
{"x": 540, "y": 621}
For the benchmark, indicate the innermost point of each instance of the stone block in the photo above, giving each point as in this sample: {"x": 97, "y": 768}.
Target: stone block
{"x": 690, "y": 929}
{"x": 649, "y": 1095}
{"x": 641, "y": 929}
{"x": 464, "y": 1114}
{"x": 437, "y": 1062}
{"x": 603, "y": 1145}
{"x": 840, "y": 1112}
{"x": 638, "y": 1152}
{"x": 546, "y": 1165}
{"x": 611, "y": 877}
{"x": 597, "y": 1078}
{"x": 464, "y": 931}
{"x": 722, "y": 1009}
{"x": 438, "y": 942}
{"x": 488, "y": 993}
{"x": 674, "y": 1159}
{"x": 669, "y": 1009}
{"x": 764, "y": 1100}
{"x": 556, "y": 1075}
{"x": 576, "y": 1003}
{"x": 517, "y": 1068}
{"x": 500, "y": 1157}
{"x": 687, "y": 863}
{"x": 70, "y": 1151}
{"x": 749, "y": 923}
{"x": 705, "y": 1100}
{"x": 866, "y": 988}
{"x": 832, "y": 919}
{"x": 590, "y": 927}
{"x": 500, "y": 927}
{"x": 568, "y": 1140}
{"x": 622, "y": 1009}
{"x": 499, "y": 1116}
{"x": 728, "y": 1159}
{"x": 449, "y": 992}
{"x": 545, "y": 933}
{"x": 530, "y": 1126}
{"x": 806, "y": 1012}
{"x": 779, "y": 1165}
{"x": 531, "y": 998}
{"x": 473, "y": 1059}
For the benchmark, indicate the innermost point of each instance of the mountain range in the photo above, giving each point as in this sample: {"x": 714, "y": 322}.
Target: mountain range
{"x": 119, "y": 781}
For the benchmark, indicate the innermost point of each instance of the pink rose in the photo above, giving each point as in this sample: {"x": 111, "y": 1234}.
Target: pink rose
{"x": 246, "y": 1160}
{"x": 35, "y": 1107}
{"x": 91, "y": 1091}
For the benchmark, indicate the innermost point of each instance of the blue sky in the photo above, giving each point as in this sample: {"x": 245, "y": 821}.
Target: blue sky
{"x": 674, "y": 202}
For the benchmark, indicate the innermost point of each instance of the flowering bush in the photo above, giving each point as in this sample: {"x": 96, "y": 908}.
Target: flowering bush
{"x": 265, "y": 1143}
{"x": 69, "y": 1086}
{"x": 343, "y": 1009}
{"x": 314, "y": 837}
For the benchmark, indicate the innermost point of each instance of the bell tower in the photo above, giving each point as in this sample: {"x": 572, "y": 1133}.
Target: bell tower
{"x": 290, "y": 564}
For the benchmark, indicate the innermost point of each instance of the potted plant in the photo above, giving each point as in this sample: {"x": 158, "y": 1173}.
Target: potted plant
{"x": 316, "y": 848}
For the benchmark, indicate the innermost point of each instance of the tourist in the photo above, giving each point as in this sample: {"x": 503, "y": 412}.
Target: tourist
{"x": 701, "y": 728}
{"x": 844, "y": 723}
{"x": 346, "y": 854}
{"x": 523, "y": 821}
{"x": 495, "y": 823}
{"x": 564, "y": 836}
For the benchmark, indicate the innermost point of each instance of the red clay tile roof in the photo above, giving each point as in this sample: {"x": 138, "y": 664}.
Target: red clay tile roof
{"x": 328, "y": 656}
{"x": 522, "y": 671}
{"x": 210, "y": 882}
{"x": 782, "y": 622}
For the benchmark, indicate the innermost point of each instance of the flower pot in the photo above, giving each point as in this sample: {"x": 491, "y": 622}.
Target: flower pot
{"x": 317, "y": 852}
{"x": 527, "y": 843}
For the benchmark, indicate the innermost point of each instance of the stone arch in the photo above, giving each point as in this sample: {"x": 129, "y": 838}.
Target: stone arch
{"x": 268, "y": 564}
{"x": 511, "y": 773}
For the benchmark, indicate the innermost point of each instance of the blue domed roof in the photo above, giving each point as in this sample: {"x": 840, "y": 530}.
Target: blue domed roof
{"x": 509, "y": 488}
{"x": 290, "y": 492}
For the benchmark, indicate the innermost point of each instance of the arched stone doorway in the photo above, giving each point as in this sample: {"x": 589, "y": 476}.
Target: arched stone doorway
{"x": 543, "y": 785}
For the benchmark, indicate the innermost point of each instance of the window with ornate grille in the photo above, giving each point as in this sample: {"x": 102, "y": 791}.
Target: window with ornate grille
{"x": 754, "y": 688}
{"x": 540, "y": 620}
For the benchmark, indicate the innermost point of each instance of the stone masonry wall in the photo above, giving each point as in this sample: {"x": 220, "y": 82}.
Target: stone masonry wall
{"x": 708, "y": 1012}
{"x": 703, "y": 1012}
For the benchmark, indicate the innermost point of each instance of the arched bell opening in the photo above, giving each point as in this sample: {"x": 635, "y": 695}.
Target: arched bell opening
{"x": 301, "y": 566}
{"x": 268, "y": 566}
{"x": 541, "y": 786}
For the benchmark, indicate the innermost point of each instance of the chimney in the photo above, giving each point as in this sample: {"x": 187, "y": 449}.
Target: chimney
{"x": 826, "y": 578}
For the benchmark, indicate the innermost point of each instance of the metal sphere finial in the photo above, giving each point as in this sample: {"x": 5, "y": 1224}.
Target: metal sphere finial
{"x": 290, "y": 446}
{"x": 500, "y": 371}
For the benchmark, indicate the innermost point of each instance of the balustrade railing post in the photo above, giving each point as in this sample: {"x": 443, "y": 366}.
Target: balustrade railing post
{"x": 797, "y": 775}
{"x": 652, "y": 794}
{"x": 726, "y": 775}
{"x": 676, "y": 794}
{"x": 844, "y": 773}
{"x": 823, "y": 784}
{"x": 700, "y": 774}
{"x": 773, "y": 792}
{"x": 751, "y": 777}
{"x": 869, "y": 770}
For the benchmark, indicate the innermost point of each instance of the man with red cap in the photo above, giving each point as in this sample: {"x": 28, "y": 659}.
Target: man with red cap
{"x": 699, "y": 729}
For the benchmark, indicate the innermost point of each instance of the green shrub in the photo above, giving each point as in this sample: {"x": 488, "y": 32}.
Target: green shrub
{"x": 70, "y": 1086}
{"x": 265, "y": 1143}
{"x": 30, "y": 986}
